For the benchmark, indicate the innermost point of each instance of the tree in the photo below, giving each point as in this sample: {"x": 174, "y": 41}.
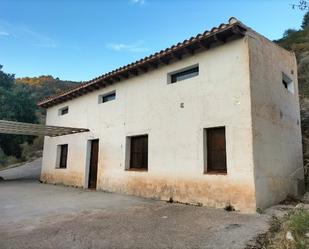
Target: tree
{"x": 288, "y": 32}
{"x": 302, "y": 5}
{"x": 16, "y": 105}
{"x": 6, "y": 80}
{"x": 305, "y": 22}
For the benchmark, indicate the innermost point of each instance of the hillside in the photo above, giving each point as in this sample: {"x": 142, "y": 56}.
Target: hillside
{"x": 44, "y": 85}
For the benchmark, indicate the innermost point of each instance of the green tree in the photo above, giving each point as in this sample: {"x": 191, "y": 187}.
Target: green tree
{"x": 288, "y": 32}
{"x": 305, "y": 22}
{"x": 16, "y": 104}
{"x": 6, "y": 80}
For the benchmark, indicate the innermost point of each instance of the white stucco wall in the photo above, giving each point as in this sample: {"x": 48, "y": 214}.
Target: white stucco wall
{"x": 146, "y": 104}
{"x": 277, "y": 143}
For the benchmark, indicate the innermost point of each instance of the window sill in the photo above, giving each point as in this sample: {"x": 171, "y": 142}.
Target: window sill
{"x": 215, "y": 173}
{"x": 60, "y": 168}
{"x": 138, "y": 170}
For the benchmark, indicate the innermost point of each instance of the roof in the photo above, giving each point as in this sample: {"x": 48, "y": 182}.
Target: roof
{"x": 200, "y": 42}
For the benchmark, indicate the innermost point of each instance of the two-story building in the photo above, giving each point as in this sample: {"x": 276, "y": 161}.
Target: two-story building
{"x": 213, "y": 120}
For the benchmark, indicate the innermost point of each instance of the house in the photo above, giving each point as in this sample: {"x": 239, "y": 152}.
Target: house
{"x": 213, "y": 120}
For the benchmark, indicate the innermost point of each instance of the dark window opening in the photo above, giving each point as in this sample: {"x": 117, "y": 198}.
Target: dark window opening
{"x": 63, "y": 156}
{"x": 185, "y": 74}
{"x": 216, "y": 150}
{"x": 139, "y": 152}
{"x": 285, "y": 83}
{"x": 107, "y": 97}
{"x": 64, "y": 110}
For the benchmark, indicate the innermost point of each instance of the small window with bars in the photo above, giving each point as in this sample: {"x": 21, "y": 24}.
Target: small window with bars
{"x": 107, "y": 97}
{"x": 184, "y": 74}
{"x": 63, "y": 111}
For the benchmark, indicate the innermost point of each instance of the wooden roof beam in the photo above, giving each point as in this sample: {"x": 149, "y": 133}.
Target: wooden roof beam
{"x": 133, "y": 72}
{"x": 153, "y": 64}
{"x": 165, "y": 61}
{"x": 238, "y": 30}
{"x": 125, "y": 75}
{"x": 143, "y": 68}
{"x": 177, "y": 56}
{"x": 203, "y": 44}
{"x": 12, "y": 127}
{"x": 108, "y": 81}
{"x": 116, "y": 78}
{"x": 190, "y": 50}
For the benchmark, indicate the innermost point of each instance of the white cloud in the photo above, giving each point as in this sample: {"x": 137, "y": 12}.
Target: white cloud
{"x": 38, "y": 39}
{"x": 3, "y": 33}
{"x": 133, "y": 48}
{"x": 138, "y": 1}
{"x": 26, "y": 35}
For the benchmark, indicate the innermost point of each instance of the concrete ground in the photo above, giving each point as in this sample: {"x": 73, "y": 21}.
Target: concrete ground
{"x": 30, "y": 170}
{"x": 35, "y": 215}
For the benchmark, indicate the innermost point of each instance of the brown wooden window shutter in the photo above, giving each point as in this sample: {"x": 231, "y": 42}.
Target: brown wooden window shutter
{"x": 139, "y": 152}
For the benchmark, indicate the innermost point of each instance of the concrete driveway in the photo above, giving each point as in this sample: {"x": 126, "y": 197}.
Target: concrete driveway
{"x": 29, "y": 170}
{"x": 35, "y": 215}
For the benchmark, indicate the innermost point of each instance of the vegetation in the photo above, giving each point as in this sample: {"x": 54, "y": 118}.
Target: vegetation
{"x": 288, "y": 232}
{"x": 18, "y": 98}
{"x": 305, "y": 22}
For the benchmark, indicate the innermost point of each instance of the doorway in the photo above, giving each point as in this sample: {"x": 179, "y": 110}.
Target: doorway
{"x": 93, "y": 164}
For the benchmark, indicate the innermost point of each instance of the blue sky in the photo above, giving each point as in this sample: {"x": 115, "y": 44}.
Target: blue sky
{"x": 80, "y": 39}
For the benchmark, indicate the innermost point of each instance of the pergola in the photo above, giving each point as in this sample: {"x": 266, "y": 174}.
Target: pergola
{"x": 11, "y": 127}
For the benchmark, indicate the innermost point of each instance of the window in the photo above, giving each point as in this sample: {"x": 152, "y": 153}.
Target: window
{"x": 139, "y": 152}
{"x": 63, "y": 156}
{"x": 107, "y": 97}
{"x": 216, "y": 150}
{"x": 287, "y": 83}
{"x": 63, "y": 111}
{"x": 184, "y": 74}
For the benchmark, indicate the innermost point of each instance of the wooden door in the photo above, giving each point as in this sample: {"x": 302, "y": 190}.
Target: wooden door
{"x": 93, "y": 165}
{"x": 216, "y": 150}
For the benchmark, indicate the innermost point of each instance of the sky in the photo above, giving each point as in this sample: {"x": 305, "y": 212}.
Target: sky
{"x": 79, "y": 39}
